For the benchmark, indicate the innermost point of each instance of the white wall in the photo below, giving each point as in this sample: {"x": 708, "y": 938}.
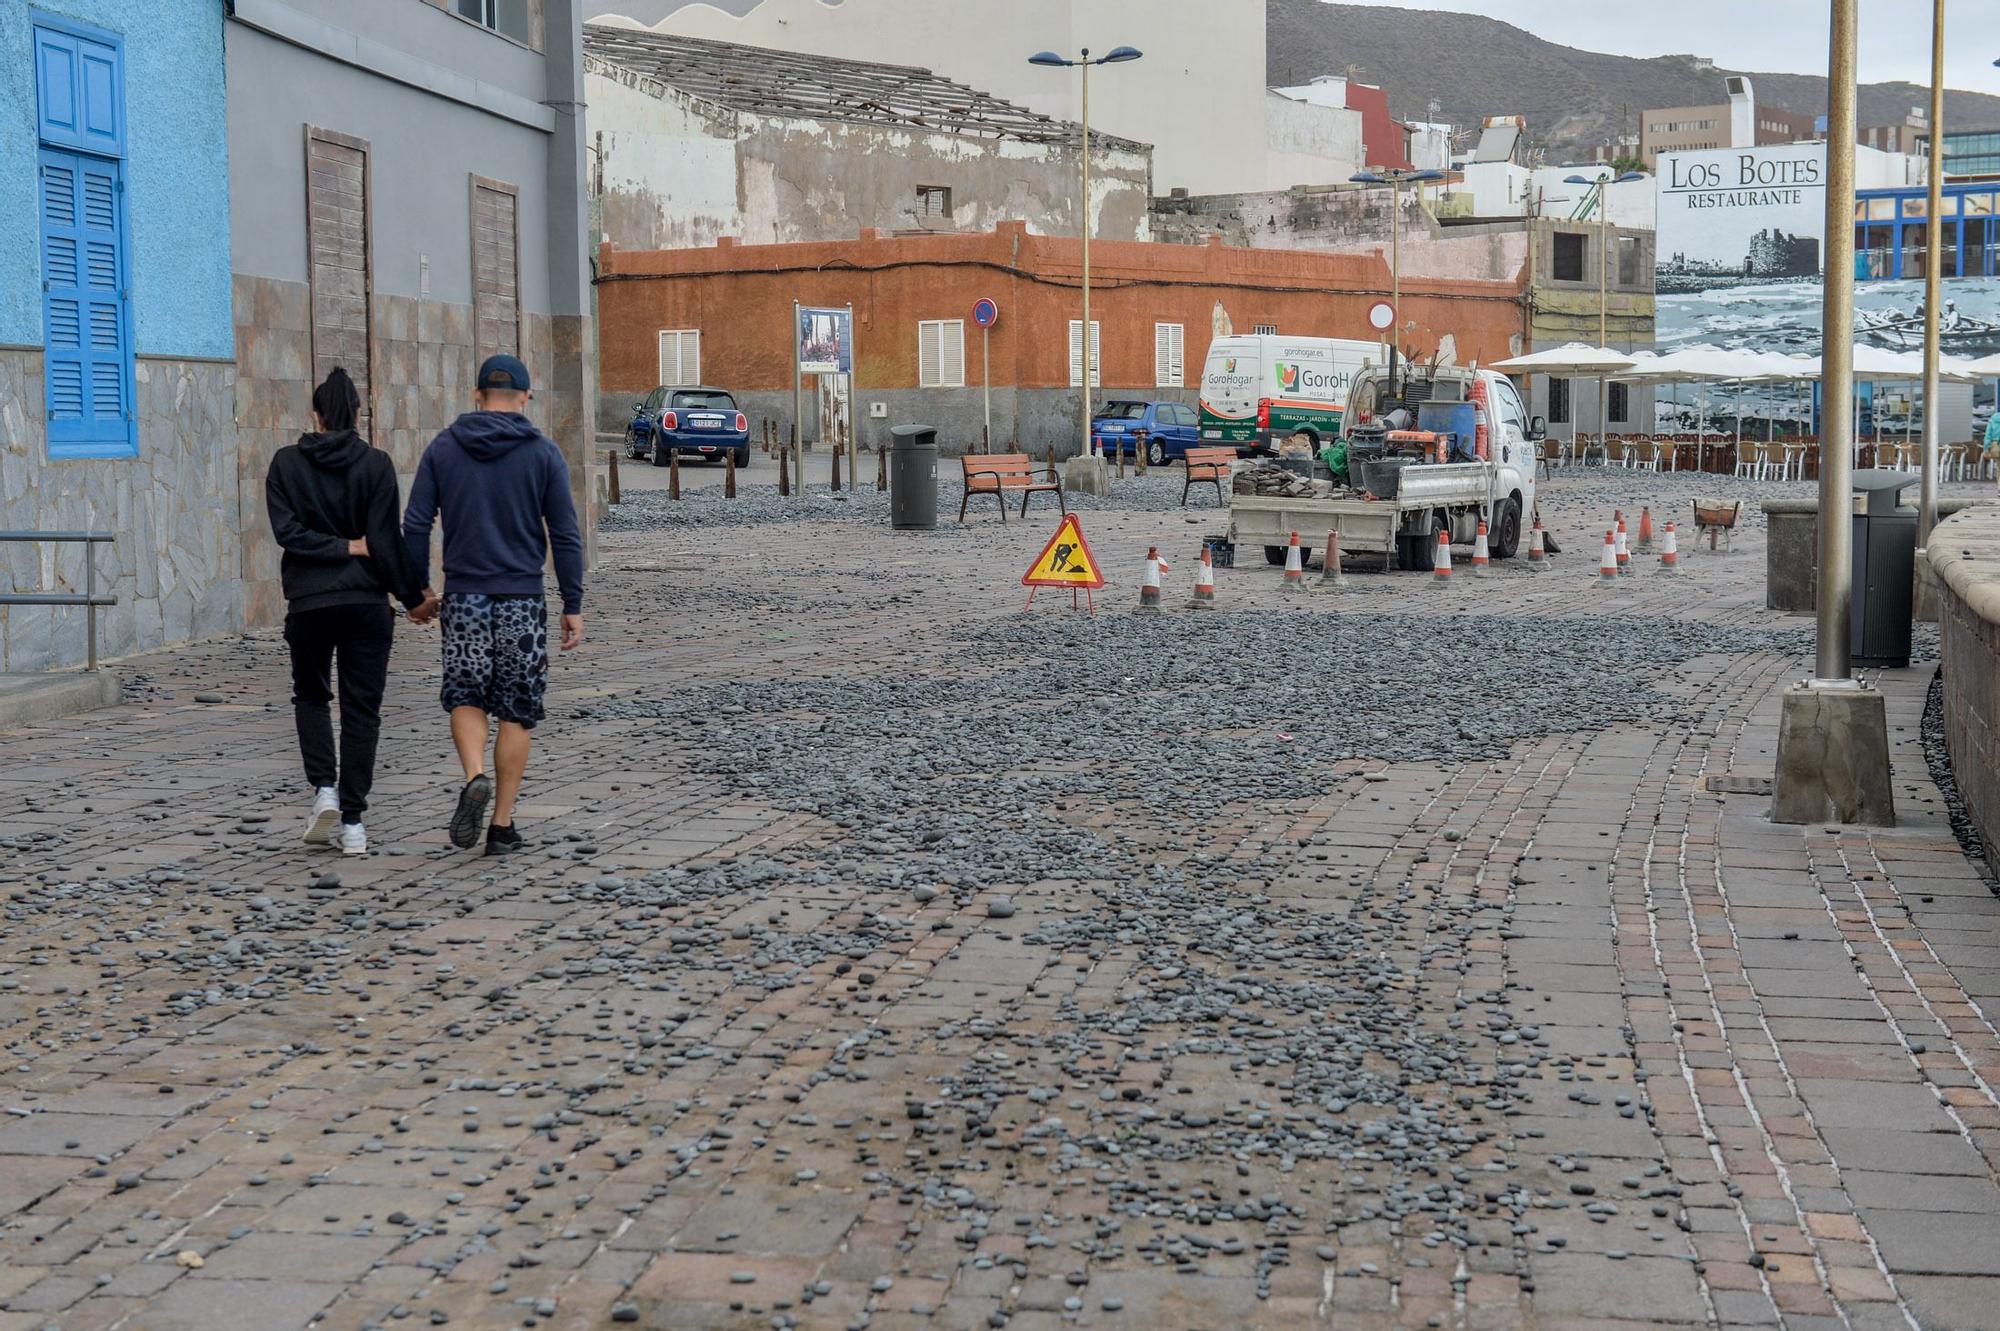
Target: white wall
{"x": 1309, "y": 144}
{"x": 1501, "y": 189}
{"x": 1430, "y": 145}
{"x": 1197, "y": 96}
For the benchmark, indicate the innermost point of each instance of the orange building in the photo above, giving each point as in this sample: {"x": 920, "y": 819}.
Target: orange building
{"x": 723, "y": 315}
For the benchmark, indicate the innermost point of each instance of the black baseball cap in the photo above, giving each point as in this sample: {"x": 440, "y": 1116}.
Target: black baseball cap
{"x": 503, "y": 371}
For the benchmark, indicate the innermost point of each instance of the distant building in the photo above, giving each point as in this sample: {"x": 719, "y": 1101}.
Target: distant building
{"x": 1310, "y": 141}
{"x": 1198, "y": 96}
{"x": 1773, "y": 253}
{"x": 1738, "y": 122}
{"x": 1384, "y": 141}
{"x": 695, "y": 140}
{"x": 1967, "y": 152}
{"x": 1910, "y": 135}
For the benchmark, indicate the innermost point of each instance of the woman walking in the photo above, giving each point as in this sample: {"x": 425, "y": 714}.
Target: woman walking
{"x": 336, "y": 513}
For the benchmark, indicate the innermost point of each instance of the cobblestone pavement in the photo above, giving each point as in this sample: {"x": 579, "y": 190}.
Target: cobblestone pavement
{"x": 1245, "y": 996}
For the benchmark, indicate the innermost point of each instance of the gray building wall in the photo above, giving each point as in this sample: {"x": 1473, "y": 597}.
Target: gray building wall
{"x": 438, "y": 99}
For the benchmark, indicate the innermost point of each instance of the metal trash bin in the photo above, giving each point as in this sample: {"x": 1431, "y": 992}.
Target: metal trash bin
{"x": 913, "y": 458}
{"x": 1884, "y": 569}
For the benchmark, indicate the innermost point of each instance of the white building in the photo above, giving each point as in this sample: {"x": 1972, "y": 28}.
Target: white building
{"x": 695, "y": 140}
{"x": 1309, "y": 142}
{"x": 1198, "y": 95}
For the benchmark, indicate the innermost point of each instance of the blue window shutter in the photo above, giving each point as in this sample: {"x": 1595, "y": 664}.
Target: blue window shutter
{"x": 85, "y": 305}
{"x": 80, "y": 92}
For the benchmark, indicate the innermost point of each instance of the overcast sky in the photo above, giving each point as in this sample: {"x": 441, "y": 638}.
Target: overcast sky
{"x": 1781, "y": 36}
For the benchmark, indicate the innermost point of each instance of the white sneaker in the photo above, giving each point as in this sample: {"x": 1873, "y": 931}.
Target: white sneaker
{"x": 325, "y": 813}
{"x": 353, "y": 839}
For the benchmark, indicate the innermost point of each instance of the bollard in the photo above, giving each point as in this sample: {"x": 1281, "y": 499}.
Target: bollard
{"x": 612, "y": 477}
{"x": 729, "y": 474}
{"x": 1139, "y": 453}
{"x": 673, "y": 473}
{"x": 833, "y": 481}
{"x": 853, "y": 484}
{"x": 784, "y": 473}
{"x": 1121, "y": 459}
{"x": 881, "y": 466}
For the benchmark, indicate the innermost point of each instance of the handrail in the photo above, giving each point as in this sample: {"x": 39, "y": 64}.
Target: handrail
{"x": 90, "y": 600}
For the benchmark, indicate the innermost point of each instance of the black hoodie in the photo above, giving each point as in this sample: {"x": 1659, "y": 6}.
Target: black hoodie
{"x": 322, "y": 492}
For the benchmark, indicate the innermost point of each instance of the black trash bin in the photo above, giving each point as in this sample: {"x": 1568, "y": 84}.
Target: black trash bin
{"x": 1884, "y": 570}
{"x": 913, "y": 458}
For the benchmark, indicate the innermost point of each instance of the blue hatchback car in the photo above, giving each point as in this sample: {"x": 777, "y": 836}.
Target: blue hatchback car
{"x": 1170, "y": 428}
{"x": 700, "y": 421}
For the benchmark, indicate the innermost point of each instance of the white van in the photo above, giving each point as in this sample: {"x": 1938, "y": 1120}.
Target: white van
{"x": 1258, "y": 388}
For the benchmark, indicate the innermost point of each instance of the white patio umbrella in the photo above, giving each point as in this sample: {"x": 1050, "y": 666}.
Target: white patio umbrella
{"x": 1701, "y": 365}
{"x": 1572, "y": 358}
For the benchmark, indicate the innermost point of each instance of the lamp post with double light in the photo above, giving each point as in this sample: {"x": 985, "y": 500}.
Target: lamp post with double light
{"x": 1598, "y": 182}
{"x": 1088, "y": 459}
{"x": 1395, "y": 177}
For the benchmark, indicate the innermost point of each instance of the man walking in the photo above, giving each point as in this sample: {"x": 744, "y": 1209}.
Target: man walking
{"x": 503, "y": 490}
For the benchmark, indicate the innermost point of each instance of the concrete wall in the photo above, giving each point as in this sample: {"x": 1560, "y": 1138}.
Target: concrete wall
{"x": 1197, "y": 96}
{"x": 171, "y": 508}
{"x": 740, "y": 298}
{"x": 438, "y": 99}
{"x": 1345, "y": 221}
{"x": 1309, "y": 144}
{"x": 1964, "y": 551}
{"x": 678, "y": 171}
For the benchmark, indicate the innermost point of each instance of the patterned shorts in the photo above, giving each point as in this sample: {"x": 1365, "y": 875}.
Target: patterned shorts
{"x": 496, "y": 655}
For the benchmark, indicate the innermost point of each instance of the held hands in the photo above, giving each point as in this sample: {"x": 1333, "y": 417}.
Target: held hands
{"x": 358, "y": 547}
{"x": 425, "y": 610}
{"x": 572, "y": 631}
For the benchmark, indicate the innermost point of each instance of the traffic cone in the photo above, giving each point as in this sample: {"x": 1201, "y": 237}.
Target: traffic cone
{"x": 1481, "y": 557}
{"x": 1646, "y": 530}
{"x": 1149, "y": 582}
{"x": 1204, "y": 581}
{"x": 1619, "y": 548}
{"x": 1538, "y": 555}
{"x": 1607, "y": 565}
{"x": 1670, "y": 558}
{"x": 1441, "y": 567}
{"x": 1331, "y": 575}
{"x": 1295, "y": 569}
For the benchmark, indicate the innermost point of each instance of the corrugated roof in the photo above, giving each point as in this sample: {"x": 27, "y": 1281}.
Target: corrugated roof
{"x": 817, "y": 87}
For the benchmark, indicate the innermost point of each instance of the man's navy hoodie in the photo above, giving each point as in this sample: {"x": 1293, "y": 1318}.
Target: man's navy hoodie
{"x": 503, "y": 490}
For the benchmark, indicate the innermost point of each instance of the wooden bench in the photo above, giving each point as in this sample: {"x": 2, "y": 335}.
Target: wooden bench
{"x": 1208, "y": 464}
{"x": 997, "y": 473}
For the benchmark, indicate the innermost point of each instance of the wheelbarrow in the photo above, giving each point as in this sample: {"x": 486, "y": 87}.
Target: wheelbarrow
{"x": 1716, "y": 517}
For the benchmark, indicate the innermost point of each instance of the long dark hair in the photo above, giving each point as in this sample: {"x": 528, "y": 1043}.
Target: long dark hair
{"x": 336, "y": 401}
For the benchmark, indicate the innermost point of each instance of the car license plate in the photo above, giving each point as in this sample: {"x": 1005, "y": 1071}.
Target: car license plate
{"x": 706, "y": 424}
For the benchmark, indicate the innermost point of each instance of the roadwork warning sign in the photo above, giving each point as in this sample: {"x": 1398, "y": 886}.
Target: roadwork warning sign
{"x": 1065, "y": 561}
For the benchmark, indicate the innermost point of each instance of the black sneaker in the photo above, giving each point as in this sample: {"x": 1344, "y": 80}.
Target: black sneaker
{"x": 471, "y": 811}
{"x": 503, "y": 840}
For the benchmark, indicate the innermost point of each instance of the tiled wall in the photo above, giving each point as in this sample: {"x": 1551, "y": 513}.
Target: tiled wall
{"x": 173, "y": 566}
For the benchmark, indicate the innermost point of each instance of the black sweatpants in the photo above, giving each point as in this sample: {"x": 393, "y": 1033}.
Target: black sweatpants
{"x": 359, "y": 636}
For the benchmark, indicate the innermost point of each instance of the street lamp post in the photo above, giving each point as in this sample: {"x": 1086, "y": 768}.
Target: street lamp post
{"x": 1603, "y": 284}
{"x": 1833, "y": 734}
{"x": 1087, "y": 474}
{"x": 1395, "y": 177}
{"x": 1927, "y": 484}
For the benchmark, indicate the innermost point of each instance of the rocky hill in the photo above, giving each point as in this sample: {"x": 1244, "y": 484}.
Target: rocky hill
{"x": 1574, "y": 100}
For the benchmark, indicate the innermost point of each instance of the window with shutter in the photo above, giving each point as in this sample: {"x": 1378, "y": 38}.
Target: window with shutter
{"x": 496, "y": 263}
{"x": 680, "y": 357}
{"x": 86, "y": 288}
{"x": 339, "y": 270}
{"x": 941, "y": 353}
{"x": 1169, "y": 356}
{"x": 1076, "y": 354}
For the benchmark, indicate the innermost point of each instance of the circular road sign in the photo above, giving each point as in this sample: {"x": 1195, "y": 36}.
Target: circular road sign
{"x": 985, "y": 313}
{"x": 1381, "y": 314}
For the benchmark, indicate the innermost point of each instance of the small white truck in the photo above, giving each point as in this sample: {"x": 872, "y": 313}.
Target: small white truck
{"x": 1399, "y": 494}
